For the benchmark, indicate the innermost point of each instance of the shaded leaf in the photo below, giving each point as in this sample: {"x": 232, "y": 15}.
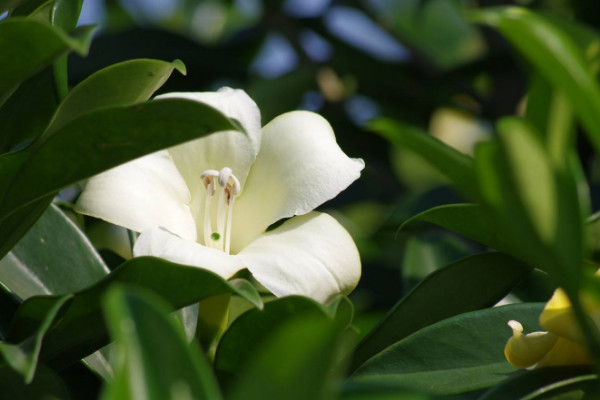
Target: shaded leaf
{"x": 469, "y": 284}
{"x": 460, "y": 354}
{"x": 23, "y": 356}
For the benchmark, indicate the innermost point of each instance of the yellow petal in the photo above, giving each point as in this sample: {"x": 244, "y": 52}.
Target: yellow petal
{"x": 524, "y": 351}
{"x": 565, "y": 352}
{"x": 558, "y": 317}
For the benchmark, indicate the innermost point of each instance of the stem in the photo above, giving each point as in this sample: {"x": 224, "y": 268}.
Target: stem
{"x": 213, "y": 314}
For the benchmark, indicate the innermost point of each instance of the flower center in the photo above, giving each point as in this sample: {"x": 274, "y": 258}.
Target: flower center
{"x": 225, "y": 184}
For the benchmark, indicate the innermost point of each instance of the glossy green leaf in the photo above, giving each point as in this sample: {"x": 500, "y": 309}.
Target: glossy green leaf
{"x": 65, "y": 13}
{"x": 251, "y": 329}
{"x": 469, "y": 284}
{"x": 460, "y": 354}
{"x": 295, "y": 361}
{"x": 47, "y": 384}
{"x": 100, "y": 140}
{"x": 23, "y": 356}
{"x": 154, "y": 360}
{"x": 455, "y": 165}
{"x": 54, "y": 257}
{"x": 82, "y": 331}
{"x": 555, "y": 55}
{"x": 121, "y": 84}
{"x": 43, "y": 42}
{"x": 529, "y": 384}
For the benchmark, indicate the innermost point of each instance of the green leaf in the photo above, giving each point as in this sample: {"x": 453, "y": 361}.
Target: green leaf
{"x": 154, "y": 360}
{"x": 8, "y": 4}
{"x": 295, "y": 361}
{"x": 65, "y": 13}
{"x": 82, "y": 330}
{"x": 534, "y": 202}
{"x": 23, "y": 356}
{"x": 28, "y": 111}
{"x": 43, "y": 42}
{"x": 555, "y": 55}
{"x": 47, "y": 384}
{"x": 460, "y": 354}
{"x": 250, "y": 330}
{"x": 100, "y": 140}
{"x": 530, "y": 384}
{"x": 54, "y": 257}
{"x": 455, "y": 165}
{"x": 13, "y": 227}
{"x": 468, "y": 220}
{"x": 121, "y": 84}
{"x": 469, "y": 284}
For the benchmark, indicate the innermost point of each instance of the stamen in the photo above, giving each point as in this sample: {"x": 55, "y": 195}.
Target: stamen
{"x": 230, "y": 187}
{"x": 208, "y": 177}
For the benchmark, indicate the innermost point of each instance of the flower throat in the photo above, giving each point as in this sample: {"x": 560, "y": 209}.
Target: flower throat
{"x": 227, "y": 186}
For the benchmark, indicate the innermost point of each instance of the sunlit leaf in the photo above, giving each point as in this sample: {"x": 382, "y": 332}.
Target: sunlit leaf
{"x": 153, "y": 358}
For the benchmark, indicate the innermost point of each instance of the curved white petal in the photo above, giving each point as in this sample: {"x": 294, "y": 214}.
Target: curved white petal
{"x": 158, "y": 242}
{"x": 231, "y": 149}
{"x": 310, "y": 255}
{"x": 140, "y": 194}
{"x": 299, "y": 167}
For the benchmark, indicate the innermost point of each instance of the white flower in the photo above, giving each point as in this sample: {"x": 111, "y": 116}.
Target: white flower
{"x": 209, "y": 202}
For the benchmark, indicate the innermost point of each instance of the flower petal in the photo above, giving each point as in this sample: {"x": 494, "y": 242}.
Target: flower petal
{"x": 298, "y": 168}
{"x": 231, "y": 149}
{"x": 558, "y": 317}
{"x": 523, "y": 351}
{"x": 310, "y": 255}
{"x": 159, "y": 242}
{"x": 566, "y": 352}
{"x": 140, "y": 194}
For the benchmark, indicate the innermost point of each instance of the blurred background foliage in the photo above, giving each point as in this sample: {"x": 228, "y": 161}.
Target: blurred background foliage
{"x": 417, "y": 61}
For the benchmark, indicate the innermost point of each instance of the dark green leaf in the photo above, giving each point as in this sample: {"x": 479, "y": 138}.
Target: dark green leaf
{"x": 555, "y": 55}
{"x": 100, "y": 140}
{"x": 46, "y": 385}
{"x": 525, "y": 384}
{"x": 294, "y": 362}
{"x": 28, "y": 111}
{"x": 13, "y": 227}
{"x": 460, "y": 354}
{"x": 469, "y": 284}
{"x": 455, "y": 165}
{"x": 154, "y": 360}
{"x": 43, "y": 42}
{"x": 23, "y": 356}
{"x": 54, "y": 257}
{"x": 82, "y": 330}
